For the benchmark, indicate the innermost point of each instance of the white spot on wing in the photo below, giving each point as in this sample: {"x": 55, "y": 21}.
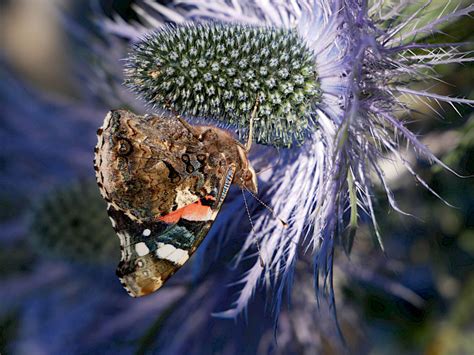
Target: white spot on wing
{"x": 165, "y": 251}
{"x": 107, "y": 120}
{"x": 185, "y": 197}
{"x": 146, "y": 232}
{"x": 141, "y": 249}
{"x": 179, "y": 256}
{"x": 124, "y": 238}
{"x": 170, "y": 253}
{"x": 113, "y": 222}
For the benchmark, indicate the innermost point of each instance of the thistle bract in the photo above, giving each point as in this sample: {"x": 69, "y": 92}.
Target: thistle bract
{"x": 227, "y": 71}
{"x": 369, "y": 56}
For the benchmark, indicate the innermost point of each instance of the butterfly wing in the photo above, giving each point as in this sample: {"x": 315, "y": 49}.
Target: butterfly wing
{"x": 153, "y": 251}
{"x": 152, "y": 166}
{"x": 164, "y": 189}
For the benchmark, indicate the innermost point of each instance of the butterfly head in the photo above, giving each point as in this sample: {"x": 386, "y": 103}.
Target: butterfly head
{"x": 246, "y": 177}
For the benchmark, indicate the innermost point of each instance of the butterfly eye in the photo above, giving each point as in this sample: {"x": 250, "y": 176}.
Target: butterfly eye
{"x": 247, "y": 176}
{"x": 124, "y": 147}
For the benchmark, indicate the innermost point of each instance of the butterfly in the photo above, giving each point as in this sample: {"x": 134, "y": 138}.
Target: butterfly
{"x": 164, "y": 182}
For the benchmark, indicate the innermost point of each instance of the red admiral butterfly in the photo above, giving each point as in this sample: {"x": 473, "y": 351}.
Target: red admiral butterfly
{"x": 164, "y": 181}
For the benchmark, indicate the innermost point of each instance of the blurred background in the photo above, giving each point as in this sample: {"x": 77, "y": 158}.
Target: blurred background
{"x": 58, "y": 252}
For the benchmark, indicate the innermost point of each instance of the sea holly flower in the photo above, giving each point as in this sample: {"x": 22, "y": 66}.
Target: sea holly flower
{"x": 366, "y": 58}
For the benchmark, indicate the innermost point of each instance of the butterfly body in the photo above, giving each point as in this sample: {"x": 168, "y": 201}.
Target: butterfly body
{"x": 164, "y": 186}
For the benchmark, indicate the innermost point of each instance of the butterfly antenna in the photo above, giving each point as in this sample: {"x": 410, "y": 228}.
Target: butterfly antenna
{"x": 252, "y": 118}
{"x": 271, "y": 166}
{"x": 262, "y": 263}
{"x": 283, "y": 222}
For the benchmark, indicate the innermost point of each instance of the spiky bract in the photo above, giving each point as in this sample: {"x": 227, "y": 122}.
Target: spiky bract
{"x": 370, "y": 57}
{"x": 220, "y": 71}
{"x": 70, "y": 223}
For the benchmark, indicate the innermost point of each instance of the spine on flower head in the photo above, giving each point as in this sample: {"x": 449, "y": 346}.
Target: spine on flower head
{"x": 220, "y": 71}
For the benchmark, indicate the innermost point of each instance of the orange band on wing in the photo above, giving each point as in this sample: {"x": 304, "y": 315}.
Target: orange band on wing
{"x": 194, "y": 212}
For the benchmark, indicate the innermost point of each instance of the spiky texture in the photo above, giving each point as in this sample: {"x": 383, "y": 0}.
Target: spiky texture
{"x": 370, "y": 56}
{"x": 71, "y": 223}
{"x": 220, "y": 71}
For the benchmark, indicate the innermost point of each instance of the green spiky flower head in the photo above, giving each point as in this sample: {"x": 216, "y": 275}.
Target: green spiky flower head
{"x": 223, "y": 71}
{"x": 71, "y": 223}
